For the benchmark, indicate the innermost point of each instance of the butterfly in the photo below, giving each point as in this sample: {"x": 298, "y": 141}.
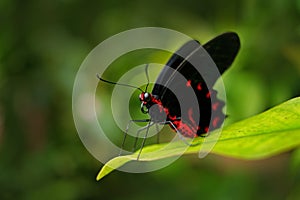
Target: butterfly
{"x": 182, "y": 96}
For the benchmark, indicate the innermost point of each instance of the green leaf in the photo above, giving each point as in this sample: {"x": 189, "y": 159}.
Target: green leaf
{"x": 272, "y": 132}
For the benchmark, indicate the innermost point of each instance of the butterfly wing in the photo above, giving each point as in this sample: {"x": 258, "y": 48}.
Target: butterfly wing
{"x": 222, "y": 49}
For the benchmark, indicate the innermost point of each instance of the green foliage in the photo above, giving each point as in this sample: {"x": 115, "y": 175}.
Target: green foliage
{"x": 272, "y": 132}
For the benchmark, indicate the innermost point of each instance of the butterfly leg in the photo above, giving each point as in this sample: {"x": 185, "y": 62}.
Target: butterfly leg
{"x": 157, "y": 130}
{"x": 145, "y": 137}
{"x": 138, "y": 134}
{"x": 126, "y": 132}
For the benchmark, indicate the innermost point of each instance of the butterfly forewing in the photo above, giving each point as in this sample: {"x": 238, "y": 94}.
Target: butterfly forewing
{"x": 223, "y": 49}
{"x": 195, "y": 118}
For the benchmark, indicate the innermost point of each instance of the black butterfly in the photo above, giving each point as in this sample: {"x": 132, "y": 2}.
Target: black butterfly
{"x": 189, "y": 70}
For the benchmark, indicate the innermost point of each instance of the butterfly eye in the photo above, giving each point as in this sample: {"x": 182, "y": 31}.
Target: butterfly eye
{"x": 147, "y": 97}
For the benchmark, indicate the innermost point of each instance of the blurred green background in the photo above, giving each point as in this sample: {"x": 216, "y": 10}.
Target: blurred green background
{"x": 43, "y": 43}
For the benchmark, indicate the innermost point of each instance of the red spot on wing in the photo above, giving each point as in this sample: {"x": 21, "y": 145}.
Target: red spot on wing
{"x": 215, "y": 122}
{"x": 187, "y": 129}
{"x": 199, "y": 87}
{"x": 215, "y": 105}
{"x": 190, "y": 114}
{"x": 208, "y": 95}
{"x": 206, "y": 129}
{"x": 188, "y": 83}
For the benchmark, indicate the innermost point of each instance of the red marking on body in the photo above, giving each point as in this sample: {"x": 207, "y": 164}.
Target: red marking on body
{"x": 159, "y": 103}
{"x": 188, "y": 83}
{"x": 199, "y": 87}
{"x": 215, "y": 122}
{"x": 156, "y": 101}
{"x": 162, "y": 108}
{"x": 166, "y": 111}
{"x": 177, "y": 124}
{"x": 172, "y": 118}
{"x": 215, "y": 106}
{"x": 142, "y": 97}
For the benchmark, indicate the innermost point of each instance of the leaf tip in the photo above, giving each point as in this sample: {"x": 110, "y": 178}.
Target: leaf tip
{"x": 100, "y": 175}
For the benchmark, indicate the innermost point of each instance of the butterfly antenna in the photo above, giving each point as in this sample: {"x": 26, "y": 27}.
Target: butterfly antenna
{"x": 127, "y": 85}
{"x": 147, "y": 76}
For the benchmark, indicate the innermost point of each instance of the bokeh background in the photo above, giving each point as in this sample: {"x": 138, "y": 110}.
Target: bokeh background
{"x": 42, "y": 45}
